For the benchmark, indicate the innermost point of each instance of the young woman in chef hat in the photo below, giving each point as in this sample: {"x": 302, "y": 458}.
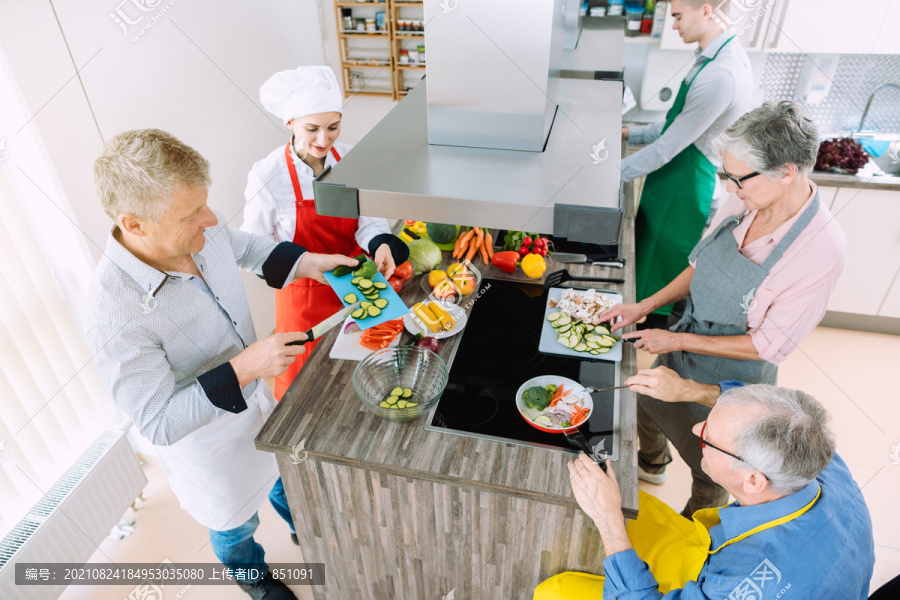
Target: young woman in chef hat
{"x": 280, "y": 200}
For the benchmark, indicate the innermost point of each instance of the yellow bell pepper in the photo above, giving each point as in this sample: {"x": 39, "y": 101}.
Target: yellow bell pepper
{"x": 427, "y": 317}
{"x": 534, "y": 265}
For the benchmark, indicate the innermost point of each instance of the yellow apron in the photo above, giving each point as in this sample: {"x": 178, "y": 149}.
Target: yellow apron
{"x": 674, "y": 547}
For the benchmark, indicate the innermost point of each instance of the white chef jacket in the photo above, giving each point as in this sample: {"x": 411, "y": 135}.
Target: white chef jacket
{"x": 270, "y": 208}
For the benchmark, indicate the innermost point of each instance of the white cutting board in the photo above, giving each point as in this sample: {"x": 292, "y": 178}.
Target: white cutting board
{"x": 347, "y": 346}
{"x": 548, "y": 341}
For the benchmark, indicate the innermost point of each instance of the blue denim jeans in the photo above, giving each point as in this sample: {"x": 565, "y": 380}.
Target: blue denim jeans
{"x": 236, "y": 547}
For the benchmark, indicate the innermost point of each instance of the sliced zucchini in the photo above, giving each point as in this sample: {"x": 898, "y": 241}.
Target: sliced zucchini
{"x": 359, "y": 313}
{"x": 402, "y": 404}
{"x": 407, "y": 392}
{"x": 397, "y": 391}
{"x": 364, "y": 284}
{"x": 592, "y": 338}
{"x": 384, "y": 404}
{"x": 603, "y": 350}
{"x": 564, "y": 341}
{"x": 543, "y": 420}
{"x": 371, "y": 297}
{"x": 592, "y": 345}
{"x": 411, "y": 404}
{"x": 373, "y": 311}
{"x": 365, "y": 304}
{"x": 355, "y": 280}
{"x": 554, "y": 316}
{"x": 350, "y": 298}
{"x": 381, "y": 302}
{"x": 379, "y": 285}
{"x": 607, "y": 342}
{"x": 594, "y": 352}
{"x": 564, "y": 328}
{"x": 601, "y": 329}
{"x": 563, "y": 320}
{"x": 590, "y": 327}
{"x": 392, "y": 400}
{"x": 581, "y": 347}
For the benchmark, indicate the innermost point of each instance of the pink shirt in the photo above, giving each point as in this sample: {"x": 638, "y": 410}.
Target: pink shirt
{"x": 792, "y": 298}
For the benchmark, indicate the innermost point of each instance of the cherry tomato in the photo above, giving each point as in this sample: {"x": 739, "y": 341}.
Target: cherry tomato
{"x": 542, "y": 251}
{"x": 395, "y": 283}
{"x": 527, "y": 241}
{"x": 404, "y": 271}
{"x": 523, "y": 250}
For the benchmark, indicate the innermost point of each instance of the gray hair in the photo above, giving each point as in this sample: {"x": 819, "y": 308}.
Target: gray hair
{"x": 791, "y": 444}
{"x": 138, "y": 171}
{"x": 772, "y": 136}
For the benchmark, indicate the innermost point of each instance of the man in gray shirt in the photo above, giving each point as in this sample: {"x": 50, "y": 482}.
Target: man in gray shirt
{"x": 679, "y": 159}
{"x": 173, "y": 339}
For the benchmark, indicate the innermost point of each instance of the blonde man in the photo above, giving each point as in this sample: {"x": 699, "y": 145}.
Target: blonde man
{"x": 171, "y": 328}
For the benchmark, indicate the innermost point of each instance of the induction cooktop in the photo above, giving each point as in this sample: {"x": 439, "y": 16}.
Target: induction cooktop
{"x": 498, "y": 352}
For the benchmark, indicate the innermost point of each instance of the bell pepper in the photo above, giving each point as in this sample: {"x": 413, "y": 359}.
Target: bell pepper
{"x": 506, "y": 261}
{"x": 534, "y": 265}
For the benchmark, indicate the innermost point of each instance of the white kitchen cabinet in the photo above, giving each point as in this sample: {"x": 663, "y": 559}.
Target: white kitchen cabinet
{"x": 748, "y": 18}
{"x": 891, "y": 305}
{"x": 888, "y": 36}
{"x": 870, "y": 220}
{"x": 830, "y": 26}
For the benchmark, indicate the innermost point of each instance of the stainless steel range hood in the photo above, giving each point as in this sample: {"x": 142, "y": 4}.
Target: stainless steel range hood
{"x": 493, "y": 136}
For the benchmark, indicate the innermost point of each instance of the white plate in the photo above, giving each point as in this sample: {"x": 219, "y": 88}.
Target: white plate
{"x": 347, "y": 346}
{"x": 544, "y": 381}
{"x": 548, "y": 341}
{"x": 415, "y": 325}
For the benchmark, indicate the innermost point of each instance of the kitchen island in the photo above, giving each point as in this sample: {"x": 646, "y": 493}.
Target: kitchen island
{"x": 395, "y": 511}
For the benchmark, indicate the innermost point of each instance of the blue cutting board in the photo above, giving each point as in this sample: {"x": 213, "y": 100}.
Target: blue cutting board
{"x": 548, "y": 341}
{"x": 394, "y": 310}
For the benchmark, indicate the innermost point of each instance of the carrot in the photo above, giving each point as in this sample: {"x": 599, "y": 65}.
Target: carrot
{"x": 578, "y": 416}
{"x": 557, "y": 395}
{"x": 489, "y": 244}
{"x": 465, "y": 240}
{"x": 458, "y": 243}
{"x": 473, "y": 246}
{"x": 483, "y": 249}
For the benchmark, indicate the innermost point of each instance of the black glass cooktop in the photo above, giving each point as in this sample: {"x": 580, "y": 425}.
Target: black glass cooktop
{"x": 497, "y": 354}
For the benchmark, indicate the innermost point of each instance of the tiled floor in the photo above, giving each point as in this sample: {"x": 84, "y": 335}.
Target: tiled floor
{"x": 851, "y": 372}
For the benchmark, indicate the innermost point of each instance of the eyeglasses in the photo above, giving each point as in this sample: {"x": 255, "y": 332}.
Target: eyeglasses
{"x": 704, "y": 443}
{"x": 737, "y": 180}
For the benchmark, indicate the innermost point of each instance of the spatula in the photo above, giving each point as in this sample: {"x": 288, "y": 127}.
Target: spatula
{"x": 556, "y": 278}
{"x": 576, "y": 437}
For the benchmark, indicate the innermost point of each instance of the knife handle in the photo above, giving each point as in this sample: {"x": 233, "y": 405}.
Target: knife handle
{"x": 309, "y": 338}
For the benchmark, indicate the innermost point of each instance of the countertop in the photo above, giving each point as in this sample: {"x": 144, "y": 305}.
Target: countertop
{"x": 322, "y": 410}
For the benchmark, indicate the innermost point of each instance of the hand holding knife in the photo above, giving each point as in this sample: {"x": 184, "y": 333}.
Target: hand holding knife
{"x": 319, "y": 330}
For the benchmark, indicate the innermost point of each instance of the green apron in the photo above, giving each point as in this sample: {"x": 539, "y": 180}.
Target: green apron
{"x": 673, "y": 210}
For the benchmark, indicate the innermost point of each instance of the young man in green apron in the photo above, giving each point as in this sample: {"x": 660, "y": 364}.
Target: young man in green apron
{"x": 678, "y": 159}
{"x": 799, "y": 527}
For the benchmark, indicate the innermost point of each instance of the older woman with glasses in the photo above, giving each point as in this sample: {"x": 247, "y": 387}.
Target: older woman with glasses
{"x": 757, "y": 284}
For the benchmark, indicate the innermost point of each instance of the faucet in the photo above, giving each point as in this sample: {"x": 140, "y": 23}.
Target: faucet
{"x": 869, "y": 104}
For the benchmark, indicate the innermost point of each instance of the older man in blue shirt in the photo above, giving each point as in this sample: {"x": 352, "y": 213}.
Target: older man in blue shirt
{"x": 799, "y": 527}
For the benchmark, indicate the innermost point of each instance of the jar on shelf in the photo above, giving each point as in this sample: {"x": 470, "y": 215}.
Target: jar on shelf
{"x": 616, "y": 8}
{"x": 360, "y": 24}
{"x": 413, "y": 57}
{"x": 404, "y": 57}
{"x": 634, "y": 13}
{"x": 347, "y": 19}
{"x": 421, "y": 51}
{"x": 417, "y": 25}
{"x": 370, "y": 24}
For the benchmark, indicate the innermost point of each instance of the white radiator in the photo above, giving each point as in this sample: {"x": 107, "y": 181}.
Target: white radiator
{"x": 74, "y": 516}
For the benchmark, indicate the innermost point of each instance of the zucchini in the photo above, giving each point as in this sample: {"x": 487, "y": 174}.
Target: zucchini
{"x": 371, "y": 296}
{"x": 543, "y": 420}
{"x": 373, "y": 311}
{"x": 407, "y": 392}
{"x": 350, "y": 298}
{"x": 359, "y": 313}
{"x": 564, "y": 341}
{"x": 364, "y": 284}
{"x": 601, "y": 329}
{"x": 594, "y": 352}
{"x": 564, "y": 328}
{"x": 384, "y": 404}
{"x": 402, "y": 404}
{"x": 381, "y": 302}
{"x": 603, "y": 350}
{"x": 607, "y": 341}
{"x": 589, "y": 327}
{"x": 411, "y": 404}
{"x": 593, "y": 345}
{"x": 365, "y": 304}
{"x": 554, "y": 316}
{"x": 392, "y": 400}
{"x": 355, "y": 280}
{"x": 397, "y": 391}
{"x": 581, "y": 347}
{"x": 563, "y": 320}
{"x": 379, "y": 285}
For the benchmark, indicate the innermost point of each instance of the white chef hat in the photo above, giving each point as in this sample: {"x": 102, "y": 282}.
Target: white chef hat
{"x": 300, "y": 92}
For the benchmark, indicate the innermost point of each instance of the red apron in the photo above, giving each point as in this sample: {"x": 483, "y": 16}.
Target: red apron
{"x": 307, "y": 302}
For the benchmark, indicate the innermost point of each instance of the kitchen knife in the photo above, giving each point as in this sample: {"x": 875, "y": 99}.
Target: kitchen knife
{"x": 319, "y": 330}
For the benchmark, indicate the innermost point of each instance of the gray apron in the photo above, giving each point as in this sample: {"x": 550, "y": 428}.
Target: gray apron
{"x": 721, "y": 295}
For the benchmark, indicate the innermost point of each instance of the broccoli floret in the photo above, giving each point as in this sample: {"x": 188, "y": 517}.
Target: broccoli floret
{"x": 551, "y": 388}
{"x": 537, "y": 397}
{"x": 366, "y": 270}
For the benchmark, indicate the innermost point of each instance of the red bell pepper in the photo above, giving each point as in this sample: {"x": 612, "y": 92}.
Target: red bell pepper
{"x": 506, "y": 261}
